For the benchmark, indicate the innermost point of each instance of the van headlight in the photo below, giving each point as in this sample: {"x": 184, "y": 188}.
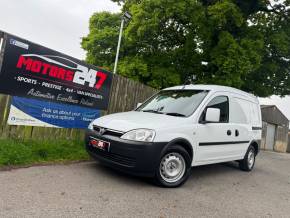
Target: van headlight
{"x": 141, "y": 135}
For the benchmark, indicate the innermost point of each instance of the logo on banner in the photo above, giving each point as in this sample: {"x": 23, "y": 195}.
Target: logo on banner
{"x": 19, "y": 44}
{"x": 62, "y": 69}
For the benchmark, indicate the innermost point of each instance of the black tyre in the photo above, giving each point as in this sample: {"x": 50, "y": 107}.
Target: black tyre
{"x": 174, "y": 167}
{"x": 248, "y": 163}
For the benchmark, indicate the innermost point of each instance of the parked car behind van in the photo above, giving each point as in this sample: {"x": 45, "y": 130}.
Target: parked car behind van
{"x": 179, "y": 128}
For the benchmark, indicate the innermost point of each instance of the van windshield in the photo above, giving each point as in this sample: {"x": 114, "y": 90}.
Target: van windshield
{"x": 180, "y": 103}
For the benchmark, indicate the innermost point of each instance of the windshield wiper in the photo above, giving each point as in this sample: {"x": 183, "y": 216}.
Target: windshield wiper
{"x": 169, "y": 114}
{"x": 152, "y": 111}
{"x": 175, "y": 114}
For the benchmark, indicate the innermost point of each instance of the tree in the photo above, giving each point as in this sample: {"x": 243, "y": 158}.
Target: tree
{"x": 242, "y": 43}
{"x": 273, "y": 22}
{"x": 101, "y": 42}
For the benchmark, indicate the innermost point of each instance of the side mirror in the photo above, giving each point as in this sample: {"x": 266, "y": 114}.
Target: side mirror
{"x": 212, "y": 115}
{"x": 139, "y": 104}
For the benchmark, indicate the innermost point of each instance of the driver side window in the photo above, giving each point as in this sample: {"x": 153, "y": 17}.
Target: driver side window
{"x": 219, "y": 102}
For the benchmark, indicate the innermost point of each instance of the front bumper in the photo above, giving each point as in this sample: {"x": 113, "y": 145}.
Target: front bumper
{"x": 137, "y": 158}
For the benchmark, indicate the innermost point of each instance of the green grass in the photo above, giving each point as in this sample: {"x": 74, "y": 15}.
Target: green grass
{"x": 23, "y": 153}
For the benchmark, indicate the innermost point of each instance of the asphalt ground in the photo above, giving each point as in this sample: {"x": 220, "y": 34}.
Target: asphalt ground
{"x": 91, "y": 190}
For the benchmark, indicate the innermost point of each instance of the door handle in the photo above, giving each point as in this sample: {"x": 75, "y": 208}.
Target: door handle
{"x": 237, "y": 132}
{"x": 229, "y": 132}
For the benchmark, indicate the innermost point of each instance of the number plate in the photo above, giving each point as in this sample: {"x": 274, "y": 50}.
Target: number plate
{"x": 100, "y": 144}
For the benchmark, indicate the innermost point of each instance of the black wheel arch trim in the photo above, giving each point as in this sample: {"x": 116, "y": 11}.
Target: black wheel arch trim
{"x": 258, "y": 142}
{"x": 181, "y": 142}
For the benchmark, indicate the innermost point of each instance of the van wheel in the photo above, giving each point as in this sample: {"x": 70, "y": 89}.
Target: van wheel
{"x": 174, "y": 167}
{"x": 247, "y": 164}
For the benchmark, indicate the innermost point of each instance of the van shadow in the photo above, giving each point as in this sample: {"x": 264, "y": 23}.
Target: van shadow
{"x": 121, "y": 177}
{"x": 202, "y": 173}
{"x": 214, "y": 170}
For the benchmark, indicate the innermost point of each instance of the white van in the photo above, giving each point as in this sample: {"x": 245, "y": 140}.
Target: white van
{"x": 178, "y": 128}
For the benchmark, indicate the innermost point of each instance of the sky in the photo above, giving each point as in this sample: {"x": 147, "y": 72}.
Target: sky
{"x": 60, "y": 24}
{"x": 57, "y": 24}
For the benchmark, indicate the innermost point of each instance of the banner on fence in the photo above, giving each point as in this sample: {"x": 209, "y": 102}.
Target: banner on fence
{"x": 32, "y": 112}
{"x": 33, "y": 71}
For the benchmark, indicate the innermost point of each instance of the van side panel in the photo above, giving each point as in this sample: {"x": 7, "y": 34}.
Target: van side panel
{"x": 247, "y": 109}
{"x": 250, "y": 110}
{"x": 250, "y": 114}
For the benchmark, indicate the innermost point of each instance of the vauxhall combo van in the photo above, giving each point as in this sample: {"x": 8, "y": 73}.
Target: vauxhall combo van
{"x": 179, "y": 128}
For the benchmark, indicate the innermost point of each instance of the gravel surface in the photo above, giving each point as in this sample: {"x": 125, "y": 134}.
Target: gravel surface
{"x": 91, "y": 190}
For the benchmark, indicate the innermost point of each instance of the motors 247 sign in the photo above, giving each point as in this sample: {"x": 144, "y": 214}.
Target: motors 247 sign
{"x": 34, "y": 71}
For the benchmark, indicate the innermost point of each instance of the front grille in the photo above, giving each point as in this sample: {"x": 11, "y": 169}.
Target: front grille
{"x": 110, "y": 132}
{"x": 119, "y": 159}
{"x": 113, "y": 133}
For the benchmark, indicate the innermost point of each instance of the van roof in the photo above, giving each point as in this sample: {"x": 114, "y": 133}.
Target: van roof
{"x": 213, "y": 88}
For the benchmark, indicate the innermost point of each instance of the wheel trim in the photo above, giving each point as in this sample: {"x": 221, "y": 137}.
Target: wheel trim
{"x": 172, "y": 167}
{"x": 251, "y": 159}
